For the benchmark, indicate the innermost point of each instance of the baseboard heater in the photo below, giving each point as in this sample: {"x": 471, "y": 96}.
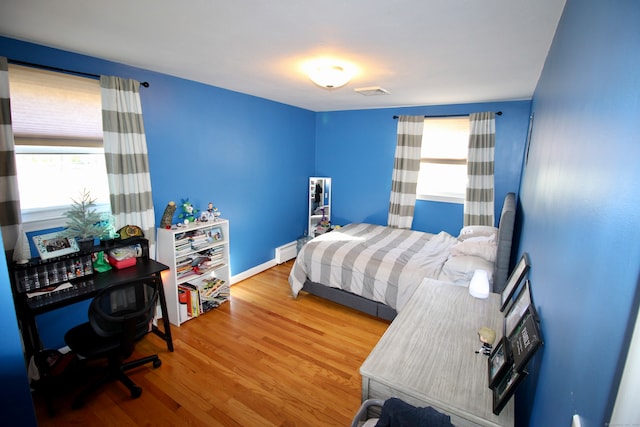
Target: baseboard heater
{"x": 286, "y": 252}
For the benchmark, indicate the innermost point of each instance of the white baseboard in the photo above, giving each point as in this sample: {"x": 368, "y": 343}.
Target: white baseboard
{"x": 253, "y": 271}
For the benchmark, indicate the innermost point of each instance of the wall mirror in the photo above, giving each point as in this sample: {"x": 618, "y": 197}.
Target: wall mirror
{"x": 319, "y": 205}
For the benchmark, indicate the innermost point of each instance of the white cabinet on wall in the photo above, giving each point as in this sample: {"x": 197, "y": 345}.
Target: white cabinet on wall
{"x": 198, "y": 256}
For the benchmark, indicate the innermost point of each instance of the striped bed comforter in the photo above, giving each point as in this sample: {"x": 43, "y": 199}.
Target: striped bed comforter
{"x": 379, "y": 263}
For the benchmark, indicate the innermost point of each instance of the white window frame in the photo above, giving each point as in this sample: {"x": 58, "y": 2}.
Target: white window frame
{"x": 52, "y": 217}
{"x": 442, "y": 196}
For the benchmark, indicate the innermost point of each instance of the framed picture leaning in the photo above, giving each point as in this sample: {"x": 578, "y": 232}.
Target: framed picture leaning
{"x": 52, "y": 245}
{"x": 514, "y": 280}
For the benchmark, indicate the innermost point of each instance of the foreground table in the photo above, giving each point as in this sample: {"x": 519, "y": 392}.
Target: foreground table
{"x": 428, "y": 356}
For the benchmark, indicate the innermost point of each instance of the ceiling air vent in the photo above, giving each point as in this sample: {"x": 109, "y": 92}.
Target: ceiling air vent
{"x": 372, "y": 91}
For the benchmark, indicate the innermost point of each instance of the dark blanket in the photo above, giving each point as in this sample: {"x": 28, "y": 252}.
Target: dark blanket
{"x": 397, "y": 413}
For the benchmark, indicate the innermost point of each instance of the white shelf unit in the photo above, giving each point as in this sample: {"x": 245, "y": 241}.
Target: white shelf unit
{"x": 183, "y": 245}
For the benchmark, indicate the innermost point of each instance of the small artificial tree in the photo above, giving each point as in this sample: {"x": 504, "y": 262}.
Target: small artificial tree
{"x": 83, "y": 220}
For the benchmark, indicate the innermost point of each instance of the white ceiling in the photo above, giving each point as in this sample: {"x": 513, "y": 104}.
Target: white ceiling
{"x": 424, "y": 52}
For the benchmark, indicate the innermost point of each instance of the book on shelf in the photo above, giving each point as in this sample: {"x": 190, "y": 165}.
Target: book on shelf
{"x": 184, "y": 264}
{"x": 213, "y": 292}
{"x": 181, "y": 237}
{"x": 210, "y": 288}
{"x": 192, "y": 298}
{"x": 216, "y": 266}
{"x": 203, "y": 295}
{"x": 184, "y": 243}
{"x": 197, "y": 247}
{"x": 197, "y": 265}
{"x": 194, "y": 240}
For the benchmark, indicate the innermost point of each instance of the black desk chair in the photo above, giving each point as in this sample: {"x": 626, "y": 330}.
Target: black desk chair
{"x": 119, "y": 316}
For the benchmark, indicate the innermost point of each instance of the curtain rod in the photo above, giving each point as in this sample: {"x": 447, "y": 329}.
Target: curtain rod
{"x": 62, "y": 70}
{"x": 498, "y": 113}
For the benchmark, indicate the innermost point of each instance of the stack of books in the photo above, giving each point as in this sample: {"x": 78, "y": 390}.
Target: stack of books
{"x": 216, "y": 256}
{"x": 213, "y": 292}
{"x": 188, "y": 295}
{"x": 203, "y": 295}
{"x": 199, "y": 239}
{"x": 184, "y": 268}
{"x": 183, "y": 245}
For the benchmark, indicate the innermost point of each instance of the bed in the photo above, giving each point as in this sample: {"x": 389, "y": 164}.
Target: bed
{"x": 376, "y": 269}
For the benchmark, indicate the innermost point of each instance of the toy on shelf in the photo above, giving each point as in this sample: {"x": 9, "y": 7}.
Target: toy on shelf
{"x": 188, "y": 212}
{"x": 211, "y": 214}
{"x": 324, "y": 225}
{"x": 167, "y": 216}
{"x": 107, "y": 221}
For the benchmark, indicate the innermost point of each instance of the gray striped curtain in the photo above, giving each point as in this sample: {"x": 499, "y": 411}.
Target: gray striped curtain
{"x": 125, "y": 148}
{"x": 479, "y": 199}
{"x": 10, "y": 217}
{"x": 405, "y": 171}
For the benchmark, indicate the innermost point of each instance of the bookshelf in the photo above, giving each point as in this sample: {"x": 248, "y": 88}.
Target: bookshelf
{"x": 199, "y": 275}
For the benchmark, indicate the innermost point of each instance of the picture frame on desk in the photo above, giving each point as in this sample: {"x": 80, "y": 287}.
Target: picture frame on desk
{"x": 525, "y": 339}
{"x": 517, "y": 309}
{"x": 514, "y": 280}
{"x": 507, "y": 386}
{"x": 55, "y": 244}
{"x": 499, "y": 362}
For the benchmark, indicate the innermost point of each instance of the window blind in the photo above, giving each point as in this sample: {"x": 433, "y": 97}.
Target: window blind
{"x": 55, "y": 107}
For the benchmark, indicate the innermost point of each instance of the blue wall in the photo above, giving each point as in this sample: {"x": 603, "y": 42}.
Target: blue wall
{"x": 356, "y": 149}
{"x": 249, "y": 156}
{"x": 16, "y": 407}
{"x": 581, "y": 199}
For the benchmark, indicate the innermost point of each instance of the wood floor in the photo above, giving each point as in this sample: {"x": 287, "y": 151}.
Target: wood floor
{"x": 261, "y": 359}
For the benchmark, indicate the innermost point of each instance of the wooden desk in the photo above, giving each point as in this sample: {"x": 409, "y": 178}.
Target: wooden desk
{"x": 86, "y": 288}
{"x": 427, "y": 356}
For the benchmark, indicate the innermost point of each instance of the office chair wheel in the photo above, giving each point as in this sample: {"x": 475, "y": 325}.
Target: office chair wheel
{"x": 136, "y": 392}
{"x": 157, "y": 363}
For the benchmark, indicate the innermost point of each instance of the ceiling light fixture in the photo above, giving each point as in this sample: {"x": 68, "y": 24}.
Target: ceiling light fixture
{"x": 330, "y": 76}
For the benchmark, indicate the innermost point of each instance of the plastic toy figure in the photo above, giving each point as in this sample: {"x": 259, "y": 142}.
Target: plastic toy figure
{"x": 211, "y": 214}
{"x": 188, "y": 212}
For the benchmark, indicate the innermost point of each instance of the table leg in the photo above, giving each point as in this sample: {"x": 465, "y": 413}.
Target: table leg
{"x": 166, "y": 335}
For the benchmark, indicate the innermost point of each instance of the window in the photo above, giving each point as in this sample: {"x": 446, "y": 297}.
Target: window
{"x": 57, "y": 126}
{"x": 443, "y": 159}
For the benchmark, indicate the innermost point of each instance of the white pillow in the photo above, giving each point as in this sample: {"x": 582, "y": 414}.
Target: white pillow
{"x": 485, "y": 239}
{"x": 460, "y": 269}
{"x": 485, "y": 249}
{"x": 471, "y": 231}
